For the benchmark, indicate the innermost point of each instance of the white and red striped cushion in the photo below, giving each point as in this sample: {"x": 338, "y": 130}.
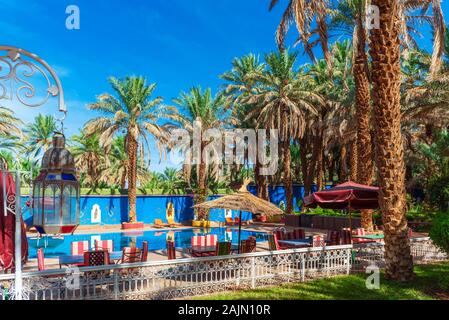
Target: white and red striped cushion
{"x": 198, "y": 241}
{"x": 360, "y": 232}
{"x": 78, "y": 248}
{"x": 131, "y": 255}
{"x": 317, "y": 241}
{"x": 106, "y": 245}
{"x": 211, "y": 240}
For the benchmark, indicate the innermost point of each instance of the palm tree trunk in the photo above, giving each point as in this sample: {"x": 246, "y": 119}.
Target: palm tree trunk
{"x": 132, "y": 177}
{"x": 363, "y": 114}
{"x": 386, "y": 78}
{"x": 353, "y": 160}
{"x": 288, "y": 175}
{"x": 320, "y": 165}
{"x": 343, "y": 165}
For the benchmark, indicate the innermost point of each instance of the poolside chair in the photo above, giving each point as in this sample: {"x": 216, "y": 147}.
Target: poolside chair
{"x": 280, "y": 234}
{"x": 172, "y": 223}
{"x": 144, "y": 251}
{"x": 40, "y": 259}
{"x": 77, "y": 248}
{"x": 223, "y": 248}
{"x": 273, "y": 243}
{"x": 236, "y": 221}
{"x": 211, "y": 240}
{"x": 318, "y": 241}
{"x": 107, "y": 245}
{"x": 96, "y": 258}
{"x": 346, "y": 237}
{"x": 361, "y": 232}
{"x": 248, "y": 246}
{"x": 131, "y": 255}
{"x": 333, "y": 238}
{"x": 229, "y": 221}
{"x": 171, "y": 251}
{"x": 159, "y": 224}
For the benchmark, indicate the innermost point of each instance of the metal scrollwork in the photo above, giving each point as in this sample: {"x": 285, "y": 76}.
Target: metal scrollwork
{"x": 16, "y": 73}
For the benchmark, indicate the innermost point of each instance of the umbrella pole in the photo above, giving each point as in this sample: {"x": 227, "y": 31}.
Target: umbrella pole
{"x": 350, "y": 217}
{"x": 240, "y": 230}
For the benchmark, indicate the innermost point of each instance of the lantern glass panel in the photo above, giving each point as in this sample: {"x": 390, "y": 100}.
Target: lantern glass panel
{"x": 70, "y": 205}
{"x": 52, "y": 205}
{"x": 37, "y": 204}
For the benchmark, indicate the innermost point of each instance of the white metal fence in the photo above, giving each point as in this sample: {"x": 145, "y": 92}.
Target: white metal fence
{"x": 182, "y": 277}
{"x": 196, "y": 276}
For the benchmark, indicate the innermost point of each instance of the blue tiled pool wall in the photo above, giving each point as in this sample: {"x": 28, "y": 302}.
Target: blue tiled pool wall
{"x": 156, "y": 239}
{"x": 113, "y": 210}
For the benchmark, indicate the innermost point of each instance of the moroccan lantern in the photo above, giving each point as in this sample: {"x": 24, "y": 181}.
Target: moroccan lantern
{"x": 56, "y": 191}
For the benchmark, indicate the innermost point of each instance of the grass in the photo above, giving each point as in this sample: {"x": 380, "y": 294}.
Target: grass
{"x": 432, "y": 282}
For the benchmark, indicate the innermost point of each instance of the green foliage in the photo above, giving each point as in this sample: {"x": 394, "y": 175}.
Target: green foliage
{"x": 439, "y": 233}
{"x": 40, "y": 135}
{"x": 437, "y": 156}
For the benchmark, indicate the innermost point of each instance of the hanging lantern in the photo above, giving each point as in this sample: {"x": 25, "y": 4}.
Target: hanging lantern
{"x": 56, "y": 191}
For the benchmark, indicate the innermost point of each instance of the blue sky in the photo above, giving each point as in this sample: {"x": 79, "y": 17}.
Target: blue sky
{"x": 175, "y": 43}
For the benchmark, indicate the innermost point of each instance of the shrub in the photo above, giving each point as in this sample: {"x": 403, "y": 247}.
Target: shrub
{"x": 439, "y": 233}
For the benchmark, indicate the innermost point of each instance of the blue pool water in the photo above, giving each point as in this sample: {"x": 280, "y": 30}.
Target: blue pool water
{"x": 156, "y": 239}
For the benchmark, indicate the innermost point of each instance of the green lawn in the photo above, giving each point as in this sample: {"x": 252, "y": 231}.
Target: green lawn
{"x": 432, "y": 282}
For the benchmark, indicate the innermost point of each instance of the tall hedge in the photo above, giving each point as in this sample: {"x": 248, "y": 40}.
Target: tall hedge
{"x": 439, "y": 233}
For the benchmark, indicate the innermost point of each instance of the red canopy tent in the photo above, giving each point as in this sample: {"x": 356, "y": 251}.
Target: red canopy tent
{"x": 348, "y": 195}
{"x": 7, "y": 225}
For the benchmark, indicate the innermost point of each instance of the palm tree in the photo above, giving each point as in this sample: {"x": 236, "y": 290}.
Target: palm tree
{"x": 39, "y": 135}
{"x": 386, "y": 78}
{"x": 242, "y": 80}
{"x": 9, "y": 124}
{"x": 132, "y": 112}
{"x": 89, "y": 156}
{"x": 172, "y": 181}
{"x": 282, "y": 102}
{"x": 303, "y": 13}
{"x": 200, "y": 108}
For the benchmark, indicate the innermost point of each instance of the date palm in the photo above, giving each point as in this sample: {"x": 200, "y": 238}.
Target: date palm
{"x": 89, "y": 157}
{"x": 386, "y": 78}
{"x": 282, "y": 102}
{"x": 39, "y": 135}
{"x": 9, "y": 123}
{"x": 131, "y": 111}
{"x": 242, "y": 81}
{"x": 200, "y": 108}
{"x": 304, "y": 13}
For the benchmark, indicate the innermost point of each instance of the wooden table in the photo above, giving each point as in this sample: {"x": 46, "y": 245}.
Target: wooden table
{"x": 79, "y": 259}
{"x": 210, "y": 250}
{"x": 296, "y": 242}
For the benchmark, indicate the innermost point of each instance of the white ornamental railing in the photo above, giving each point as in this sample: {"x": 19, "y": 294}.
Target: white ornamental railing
{"x": 182, "y": 277}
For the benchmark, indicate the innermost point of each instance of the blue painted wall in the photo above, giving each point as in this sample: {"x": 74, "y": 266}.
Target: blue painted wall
{"x": 114, "y": 209}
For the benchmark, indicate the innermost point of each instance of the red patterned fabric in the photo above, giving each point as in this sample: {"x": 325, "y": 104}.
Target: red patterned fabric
{"x": 273, "y": 242}
{"x": 144, "y": 251}
{"x": 107, "y": 245}
{"x": 171, "y": 251}
{"x": 280, "y": 235}
{"x": 40, "y": 259}
{"x": 317, "y": 241}
{"x": 248, "y": 246}
{"x": 8, "y": 225}
{"x": 78, "y": 248}
{"x": 358, "y": 195}
{"x": 96, "y": 258}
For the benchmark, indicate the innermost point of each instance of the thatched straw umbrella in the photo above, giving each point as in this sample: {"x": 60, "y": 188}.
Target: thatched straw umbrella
{"x": 242, "y": 200}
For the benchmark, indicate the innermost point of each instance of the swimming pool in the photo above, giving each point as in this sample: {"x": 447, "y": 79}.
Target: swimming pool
{"x": 156, "y": 239}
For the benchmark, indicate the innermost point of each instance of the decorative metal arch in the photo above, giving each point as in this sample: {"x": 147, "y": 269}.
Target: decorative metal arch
{"x": 16, "y": 84}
